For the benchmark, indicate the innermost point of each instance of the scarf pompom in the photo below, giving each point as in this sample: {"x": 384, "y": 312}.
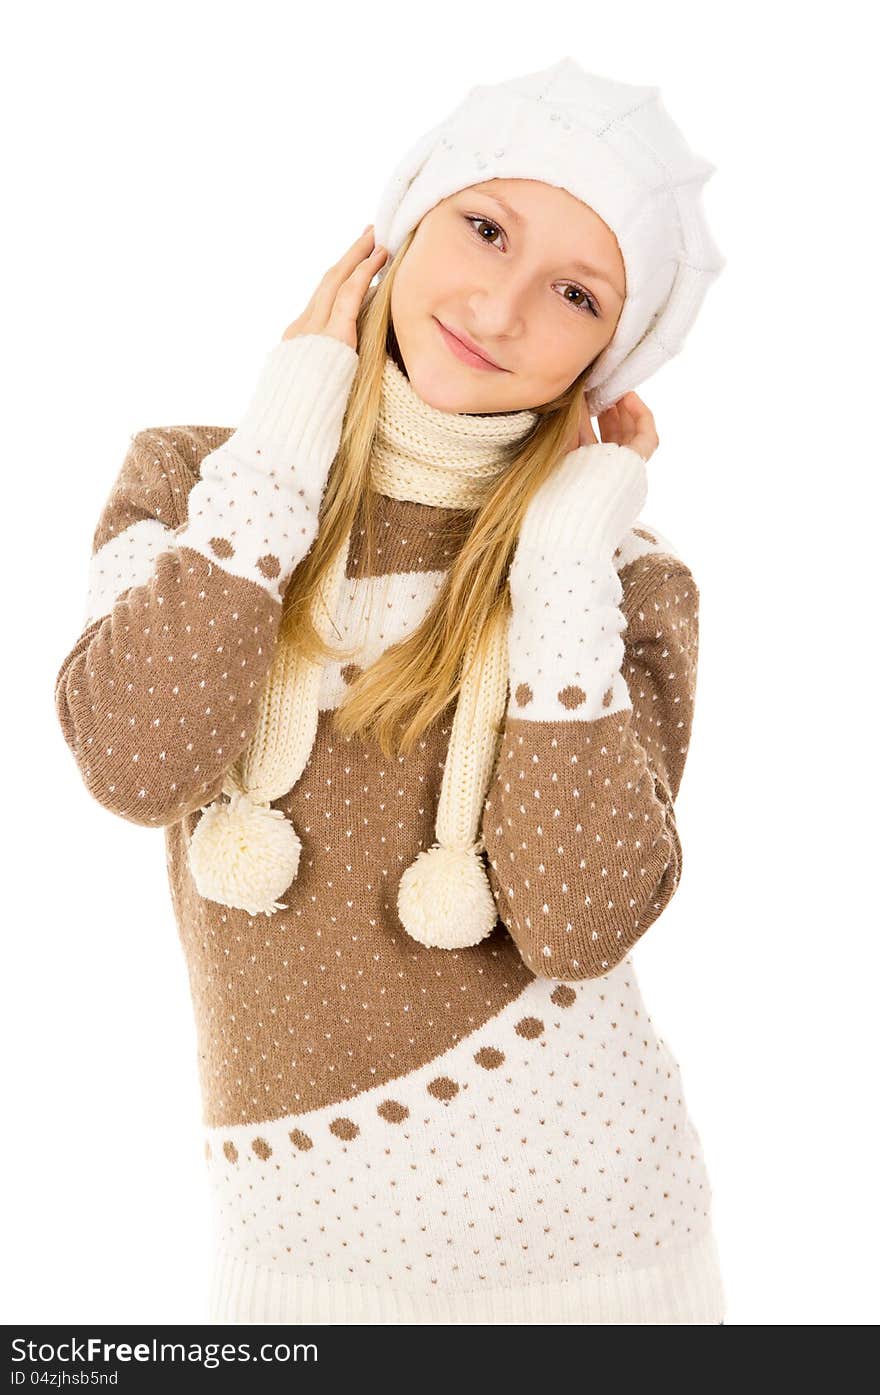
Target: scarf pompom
{"x": 444, "y": 899}
{"x": 244, "y": 855}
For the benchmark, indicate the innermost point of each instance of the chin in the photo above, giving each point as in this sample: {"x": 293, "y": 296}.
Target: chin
{"x": 444, "y": 384}
{"x": 434, "y": 383}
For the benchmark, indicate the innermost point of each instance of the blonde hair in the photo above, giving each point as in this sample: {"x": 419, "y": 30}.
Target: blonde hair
{"x": 412, "y": 682}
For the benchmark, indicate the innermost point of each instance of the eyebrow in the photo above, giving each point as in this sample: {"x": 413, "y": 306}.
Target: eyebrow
{"x": 580, "y": 266}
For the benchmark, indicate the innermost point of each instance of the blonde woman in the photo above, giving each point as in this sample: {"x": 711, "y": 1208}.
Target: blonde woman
{"x": 408, "y": 682}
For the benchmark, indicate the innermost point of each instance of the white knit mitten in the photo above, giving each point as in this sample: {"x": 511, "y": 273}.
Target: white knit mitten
{"x": 566, "y": 625}
{"x": 587, "y": 504}
{"x": 255, "y": 508}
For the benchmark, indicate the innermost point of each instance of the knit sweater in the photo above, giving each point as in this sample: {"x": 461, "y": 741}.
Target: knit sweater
{"x": 395, "y": 1133}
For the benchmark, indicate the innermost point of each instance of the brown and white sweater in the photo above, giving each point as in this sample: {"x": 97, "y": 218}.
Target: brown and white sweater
{"x": 396, "y": 1133}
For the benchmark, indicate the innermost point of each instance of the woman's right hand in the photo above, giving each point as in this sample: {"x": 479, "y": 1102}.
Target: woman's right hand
{"x": 333, "y": 309}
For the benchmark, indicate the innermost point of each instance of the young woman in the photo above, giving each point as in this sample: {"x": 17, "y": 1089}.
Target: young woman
{"x": 409, "y": 684}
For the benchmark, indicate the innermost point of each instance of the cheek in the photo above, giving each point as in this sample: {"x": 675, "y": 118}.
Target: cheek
{"x": 556, "y": 362}
{"x": 402, "y": 293}
{"x": 411, "y": 284}
{"x": 438, "y": 274}
{"x": 561, "y": 359}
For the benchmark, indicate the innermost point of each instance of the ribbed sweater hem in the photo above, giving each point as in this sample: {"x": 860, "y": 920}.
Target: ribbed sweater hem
{"x": 684, "y": 1288}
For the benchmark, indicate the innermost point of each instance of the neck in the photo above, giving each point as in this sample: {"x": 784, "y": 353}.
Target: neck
{"x": 452, "y": 459}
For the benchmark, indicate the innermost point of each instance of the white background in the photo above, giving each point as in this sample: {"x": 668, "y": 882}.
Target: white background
{"x": 177, "y": 179}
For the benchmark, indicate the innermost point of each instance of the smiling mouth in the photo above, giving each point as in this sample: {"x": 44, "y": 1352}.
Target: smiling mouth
{"x": 465, "y": 353}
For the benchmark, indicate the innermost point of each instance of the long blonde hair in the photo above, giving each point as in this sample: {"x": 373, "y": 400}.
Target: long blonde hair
{"x": 411, "y": 683}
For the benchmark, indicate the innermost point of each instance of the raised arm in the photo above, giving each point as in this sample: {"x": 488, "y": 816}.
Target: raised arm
{"x": 159, "y": 694}
{"x": 579, "y": 821}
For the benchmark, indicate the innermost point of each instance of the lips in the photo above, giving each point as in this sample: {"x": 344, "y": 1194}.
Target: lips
{"x": 471, "y": 346}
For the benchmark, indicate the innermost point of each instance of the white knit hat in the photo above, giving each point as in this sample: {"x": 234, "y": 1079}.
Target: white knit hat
{"x": 614, "y": 147}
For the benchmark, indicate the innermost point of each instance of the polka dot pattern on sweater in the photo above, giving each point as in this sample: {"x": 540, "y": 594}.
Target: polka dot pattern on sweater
{"x": 377, "y": 1112}
{"x": 561, "y": 1124}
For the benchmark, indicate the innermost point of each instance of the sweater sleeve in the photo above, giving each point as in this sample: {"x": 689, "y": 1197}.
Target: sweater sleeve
{"x": 159, "y": 695}
{"x": 579, "y": 821}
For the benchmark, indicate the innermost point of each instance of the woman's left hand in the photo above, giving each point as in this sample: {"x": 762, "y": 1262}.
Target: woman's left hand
{"x": 627, "y": 423}
{"x": 589, "y": 501}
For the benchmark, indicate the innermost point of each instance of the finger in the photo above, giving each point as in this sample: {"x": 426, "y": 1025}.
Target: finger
{"x": 609, "y": 421}
{"x": 645, "y": 432}
{"x": 360, "y": 250}
{"x": 627, "y": 424}
{"x": 638, "y": 429}
{"x": 643, "y": 445}
{"x": 640, "y": 414}
{"x": 337, "y": 273}
{"x": 351, "y": 293}
{"x": 356, "y": 283}
{"x": 356, "y": 250}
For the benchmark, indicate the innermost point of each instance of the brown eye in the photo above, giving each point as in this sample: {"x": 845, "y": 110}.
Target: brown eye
{"x": 483, "y": 222}
{"x": 588, "y": 300}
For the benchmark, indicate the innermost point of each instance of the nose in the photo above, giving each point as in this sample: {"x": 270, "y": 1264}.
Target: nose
{"x": 499, "y": 308}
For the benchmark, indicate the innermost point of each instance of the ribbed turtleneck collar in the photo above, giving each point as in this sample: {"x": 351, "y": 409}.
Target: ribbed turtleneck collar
{"x": 450, "y": 459}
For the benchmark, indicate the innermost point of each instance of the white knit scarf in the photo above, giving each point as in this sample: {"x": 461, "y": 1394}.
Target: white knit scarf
{"x": 245, "y": 854}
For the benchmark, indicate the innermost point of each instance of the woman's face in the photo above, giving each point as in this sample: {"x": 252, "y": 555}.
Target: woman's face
{"x": 538, "y": 286}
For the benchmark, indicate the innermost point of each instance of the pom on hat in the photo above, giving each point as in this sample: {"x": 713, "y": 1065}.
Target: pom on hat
{"x": 444, "y": 899}
{"x": 244, "y": 855}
